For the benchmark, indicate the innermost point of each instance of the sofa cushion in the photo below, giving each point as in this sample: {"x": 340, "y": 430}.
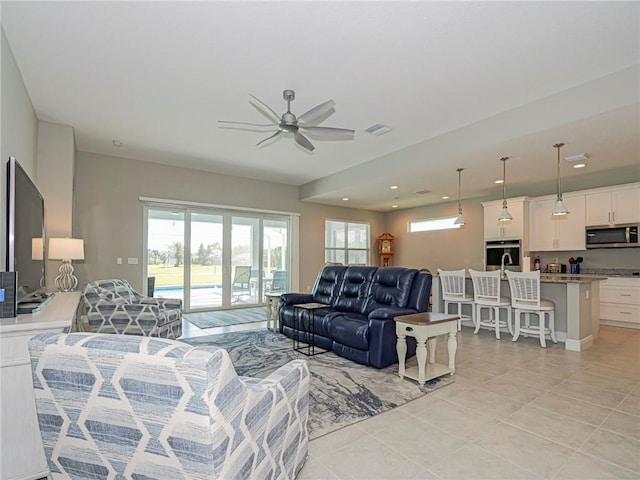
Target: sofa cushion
{"x": 351, "y": 330}
{"x": 354, "y": 290}
{"x": 390, "y": 287}
{"x": 328, "y": 284}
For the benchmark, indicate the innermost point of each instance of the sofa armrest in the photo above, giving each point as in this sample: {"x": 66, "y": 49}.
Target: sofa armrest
{"x": 162, "y": 303}
{"x": 295, "y": 298}
{"x": 389, "y": 313}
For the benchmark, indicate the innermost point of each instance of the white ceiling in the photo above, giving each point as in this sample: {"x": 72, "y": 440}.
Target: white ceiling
{"x": 460, "y": 83}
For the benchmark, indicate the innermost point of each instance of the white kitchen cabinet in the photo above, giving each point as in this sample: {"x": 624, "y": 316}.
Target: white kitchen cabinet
{"x": 618, "y": 205}
{"x": 620, "y": 302}
{"x": 549, "y": 232}
{"x": 512, "y": 229}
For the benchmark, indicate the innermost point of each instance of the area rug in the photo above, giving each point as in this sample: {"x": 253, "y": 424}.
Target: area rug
{"x": 223, "y": 318}
{"x": 342, "y": 392}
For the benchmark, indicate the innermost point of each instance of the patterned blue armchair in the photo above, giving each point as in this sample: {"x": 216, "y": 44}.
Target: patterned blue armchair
{"x": 116, "y": 406}
{"x": 113, "y": 306}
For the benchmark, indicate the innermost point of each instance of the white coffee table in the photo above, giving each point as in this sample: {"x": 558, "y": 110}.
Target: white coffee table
{"x": 425, "y": 328}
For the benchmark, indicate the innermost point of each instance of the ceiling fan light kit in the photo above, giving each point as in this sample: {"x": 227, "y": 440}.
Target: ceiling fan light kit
{"x": 289, "y": 123}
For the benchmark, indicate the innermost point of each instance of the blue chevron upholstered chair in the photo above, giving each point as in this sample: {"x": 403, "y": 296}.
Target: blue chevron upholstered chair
{"x": 113, "y": 306}
{"x": 126, "y": 406}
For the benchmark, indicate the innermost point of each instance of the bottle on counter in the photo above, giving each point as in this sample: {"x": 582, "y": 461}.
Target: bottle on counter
{"x": 536, "y": 263}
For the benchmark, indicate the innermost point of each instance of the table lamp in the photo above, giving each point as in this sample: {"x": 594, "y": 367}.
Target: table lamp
{"x": 66, "y": 249}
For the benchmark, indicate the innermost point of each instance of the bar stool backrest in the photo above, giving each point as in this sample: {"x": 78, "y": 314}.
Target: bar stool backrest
{"x": 452, "y": 282}
{"x": 525, "y": 289}
{"x": 486, "y": 285}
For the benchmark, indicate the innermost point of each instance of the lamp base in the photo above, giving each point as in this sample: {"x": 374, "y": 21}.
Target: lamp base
{"x": 66, "y": 281}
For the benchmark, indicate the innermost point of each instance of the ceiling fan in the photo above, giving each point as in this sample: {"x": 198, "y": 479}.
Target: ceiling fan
{"x": 289, "y": 123}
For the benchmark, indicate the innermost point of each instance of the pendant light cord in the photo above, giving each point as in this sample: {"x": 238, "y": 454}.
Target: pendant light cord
{"x": 504, "y": 180}
{"x": 558, "y": 146}
{"x": 459, "y": 183}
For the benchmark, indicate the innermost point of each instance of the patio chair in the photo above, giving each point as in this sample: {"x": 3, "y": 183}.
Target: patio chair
{"x": 241, "y": 284}
{"x": 279, "y": 282}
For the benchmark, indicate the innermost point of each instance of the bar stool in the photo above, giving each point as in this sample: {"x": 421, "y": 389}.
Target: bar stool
{"x": 486, "y": 294}
{"x": 453, "y": 292}
{"x": 525, "y": 298}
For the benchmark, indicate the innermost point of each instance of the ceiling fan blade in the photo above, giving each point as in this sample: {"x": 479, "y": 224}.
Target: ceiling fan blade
{"x": 251, "y": 124}
{"x": 303, "y": 141}
{"x": 266, "y": 108}
{"x": 316, "y": 112}
{"x": 269, "y": 138}
{"x": 328, "y": 130}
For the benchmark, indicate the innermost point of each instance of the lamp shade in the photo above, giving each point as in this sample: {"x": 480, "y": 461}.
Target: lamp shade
{"x": 559, "y": 208}
{"x": 505, "y": 216}
{"x": 66, "y": 249}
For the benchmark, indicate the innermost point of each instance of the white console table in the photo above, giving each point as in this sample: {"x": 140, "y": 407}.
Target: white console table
{"x": 21, "y": 451}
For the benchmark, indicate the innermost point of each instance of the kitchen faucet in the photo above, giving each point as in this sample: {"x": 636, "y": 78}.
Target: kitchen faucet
{"x": 505, "y": 254}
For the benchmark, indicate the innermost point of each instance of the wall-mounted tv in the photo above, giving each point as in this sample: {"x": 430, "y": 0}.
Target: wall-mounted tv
{"x": 25, "y": 232}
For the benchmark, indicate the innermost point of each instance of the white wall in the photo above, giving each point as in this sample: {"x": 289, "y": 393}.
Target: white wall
{"x": 18, "y": 130}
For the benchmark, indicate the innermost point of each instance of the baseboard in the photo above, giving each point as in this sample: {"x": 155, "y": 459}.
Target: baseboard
{"x": 579, "y": 345}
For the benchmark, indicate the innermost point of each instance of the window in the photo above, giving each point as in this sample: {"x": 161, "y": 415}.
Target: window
{"x": 346, "y": 243}
{"x": 433, "y": 224}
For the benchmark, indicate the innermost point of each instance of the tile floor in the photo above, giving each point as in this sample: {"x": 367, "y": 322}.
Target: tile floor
{"x": 515, "y": 411}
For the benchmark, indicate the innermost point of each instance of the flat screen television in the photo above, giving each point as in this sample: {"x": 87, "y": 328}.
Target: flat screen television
{"x": 25, "y": 232}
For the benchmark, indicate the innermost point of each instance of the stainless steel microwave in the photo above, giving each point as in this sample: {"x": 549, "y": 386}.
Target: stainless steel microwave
{"x": 613, "y": 236}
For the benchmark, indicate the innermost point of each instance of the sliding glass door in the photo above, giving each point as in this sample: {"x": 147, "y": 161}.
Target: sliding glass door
{"x": 165, "y": 252}
{"x": 206, "y": 260}
{"x": 245, "y": 260}
{"x": 215, "y": 259}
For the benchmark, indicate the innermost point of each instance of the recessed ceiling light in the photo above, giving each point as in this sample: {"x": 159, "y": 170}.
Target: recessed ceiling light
{"x": 394, "y": 206}
{"x": 393, "y": 187}
{"x": 345, "y": 199}
{"x": 445, "y": 197}
{"x": 580, "y": 165}
{"x": 499, "y": 181}
{"x": 116, "y": 143}
{"x": 378, "y": 129}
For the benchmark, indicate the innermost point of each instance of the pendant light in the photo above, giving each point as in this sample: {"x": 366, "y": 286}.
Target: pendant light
{"x": 559, "y": 208}
{"x": 505, "y": 216}
{"x": 459, "y": 218}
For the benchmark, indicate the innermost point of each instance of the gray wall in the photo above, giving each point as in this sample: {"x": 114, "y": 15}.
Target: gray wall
{"x": 18, "y": 127}
{"x": 447, "y": 249}
{"x": 108, "y": 214}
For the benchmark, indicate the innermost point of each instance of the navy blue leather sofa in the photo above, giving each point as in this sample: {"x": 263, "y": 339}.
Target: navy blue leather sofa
{"x": 363, "y": 301}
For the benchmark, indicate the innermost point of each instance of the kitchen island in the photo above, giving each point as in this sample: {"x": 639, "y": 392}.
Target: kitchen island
{"x": 577, "y": 300}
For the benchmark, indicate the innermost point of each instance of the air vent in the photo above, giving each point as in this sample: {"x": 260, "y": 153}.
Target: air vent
{"x": 577, "y": 158}
{"x": 378, "y": 129}
{"x": 423, "y": 192}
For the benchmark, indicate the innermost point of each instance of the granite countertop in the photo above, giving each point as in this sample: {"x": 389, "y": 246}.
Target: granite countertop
{"x": 561, "y": 278}
{"x": 611, "y": 272}
{"x": 568, "y": 278}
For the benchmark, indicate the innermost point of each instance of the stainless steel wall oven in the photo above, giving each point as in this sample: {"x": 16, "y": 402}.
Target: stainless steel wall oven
{"x": 496, "y": 250}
